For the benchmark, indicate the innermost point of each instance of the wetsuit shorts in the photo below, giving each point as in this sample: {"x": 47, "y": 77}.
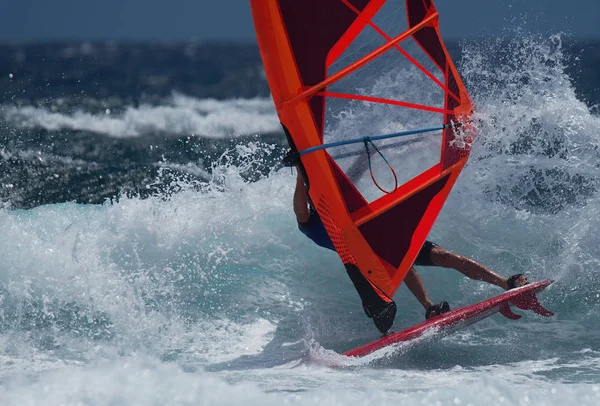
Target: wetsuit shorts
{"x": 424, "y": 257}
{"x": 314, "y": 229}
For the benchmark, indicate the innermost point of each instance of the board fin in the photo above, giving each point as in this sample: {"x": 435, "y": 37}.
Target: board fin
{"x": 507, "y": 312}
{"x": 526, "y": 301}
{"x": 529, "y": 301}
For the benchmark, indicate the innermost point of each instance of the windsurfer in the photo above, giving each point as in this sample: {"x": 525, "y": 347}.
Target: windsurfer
{"x": 430, "y": 255}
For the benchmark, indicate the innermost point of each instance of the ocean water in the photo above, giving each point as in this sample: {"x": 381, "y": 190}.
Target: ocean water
{"x": 150, "y": 254}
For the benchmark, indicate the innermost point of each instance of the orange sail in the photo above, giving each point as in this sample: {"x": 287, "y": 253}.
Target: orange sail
{"x": 381, "y": 64}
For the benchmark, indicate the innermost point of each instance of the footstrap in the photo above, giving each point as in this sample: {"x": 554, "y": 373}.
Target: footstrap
{"x": 512, "y": 281}
{"x": 437, "y": 309}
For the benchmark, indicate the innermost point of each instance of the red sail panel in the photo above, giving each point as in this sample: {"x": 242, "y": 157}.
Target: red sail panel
{"x": 312, "y": 46}
{"x": 327, "y": 63}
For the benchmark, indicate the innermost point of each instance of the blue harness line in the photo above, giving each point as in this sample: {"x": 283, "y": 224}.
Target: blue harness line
{"x": 376, "y": 138}
{"x": 368, "y": 140}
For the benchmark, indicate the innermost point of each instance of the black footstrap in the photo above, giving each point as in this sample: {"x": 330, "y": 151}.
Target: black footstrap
{"x": 512, "y": 281}
{"x": 437, "y": 309}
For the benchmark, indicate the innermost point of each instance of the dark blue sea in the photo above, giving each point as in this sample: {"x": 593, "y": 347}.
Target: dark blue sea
{"x": 150, "y": 255}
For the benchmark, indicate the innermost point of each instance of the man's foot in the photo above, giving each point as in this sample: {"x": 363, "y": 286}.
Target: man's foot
{"x": 385, "y": 318}
{"x": 516, "y": 281}
{"x": 437, "y": 309}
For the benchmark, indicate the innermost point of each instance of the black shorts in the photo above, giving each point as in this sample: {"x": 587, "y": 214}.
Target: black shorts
{"x": 424, "y": 257}
{"x": 314, "y": 229}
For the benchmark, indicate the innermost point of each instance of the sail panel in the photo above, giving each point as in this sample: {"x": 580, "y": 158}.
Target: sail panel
{"x": 392, "y": 244}
{"x": 340, "y": 69}
{"x": 313, "y": 28}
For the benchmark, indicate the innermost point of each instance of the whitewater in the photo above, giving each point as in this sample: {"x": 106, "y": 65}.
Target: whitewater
{"x": 208, "y": 294}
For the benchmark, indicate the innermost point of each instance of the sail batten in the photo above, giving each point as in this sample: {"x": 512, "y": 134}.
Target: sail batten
{"x": 386, "y": 101}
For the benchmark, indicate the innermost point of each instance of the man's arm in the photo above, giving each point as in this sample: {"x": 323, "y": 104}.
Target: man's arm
{"x": 301, "y": 201}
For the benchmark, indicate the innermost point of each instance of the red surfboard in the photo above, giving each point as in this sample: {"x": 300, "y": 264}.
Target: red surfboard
{"x": 524, "y": 298}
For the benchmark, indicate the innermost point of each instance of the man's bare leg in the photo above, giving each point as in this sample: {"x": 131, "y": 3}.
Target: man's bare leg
{"x": 415, "y": 284}
{"x": 469, "y": 268}
{"x": 301, "y": 201}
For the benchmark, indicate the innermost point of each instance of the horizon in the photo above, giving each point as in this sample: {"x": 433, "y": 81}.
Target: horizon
{"x": 565, "y": 38}
{"x": 35, "y": 21}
